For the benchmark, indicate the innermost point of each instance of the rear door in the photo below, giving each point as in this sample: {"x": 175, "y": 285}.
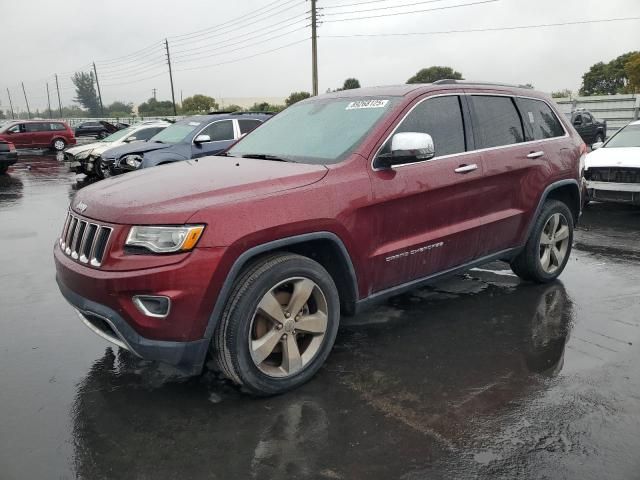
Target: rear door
{"x": 424, "y": 214}
{"x": 221, "y": 133}
{"x": 41, "y": 134}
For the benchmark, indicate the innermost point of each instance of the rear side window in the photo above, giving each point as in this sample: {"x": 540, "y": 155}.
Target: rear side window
{"x": 496, "y": 121}
{"x": 247, "y": 125}
{"x": 57, "y": 126}
{"x": 37, "y": 127}
{"x": 540, "y": 118}
{"x": 440, "y": 117}
{"x": 219, "y": 131}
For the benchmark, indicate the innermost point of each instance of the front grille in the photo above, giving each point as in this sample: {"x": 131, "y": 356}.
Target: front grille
{"x": 84, "y": 241}
{"x": 613, "y": 174}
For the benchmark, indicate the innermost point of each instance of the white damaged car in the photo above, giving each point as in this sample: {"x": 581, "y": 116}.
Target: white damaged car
{"x": 83, "y": 158}
{"x": 612, "y": 169}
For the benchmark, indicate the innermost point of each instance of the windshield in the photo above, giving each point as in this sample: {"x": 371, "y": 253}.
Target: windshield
{"x": 175, "y": 133}
{"x": 118, "y": 135}
{"x": 4, "y": 126}
{"x": 320, "y": 131}
{"x": 629, "y": 136}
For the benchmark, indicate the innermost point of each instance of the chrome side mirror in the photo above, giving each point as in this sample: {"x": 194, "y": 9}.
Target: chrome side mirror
{"x": 408, "y": 147}
{"x": 130, "y": 139}
{"x": 202, "y": 138}
{"x": 596, "y": 145}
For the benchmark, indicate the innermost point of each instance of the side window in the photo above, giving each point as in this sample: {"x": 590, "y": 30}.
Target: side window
{"x": 219, "y": 131}
{"x": 36, "y": 127}
{"x": 440, "y": 117}
{"x": 16, "y": 128}
{"x": 541, "y": 119}
{"x": 247, "y": 125}
{"x": 56, "y": 126}
{"x": 496, "y": 121}
{"x": 146, "y": 133}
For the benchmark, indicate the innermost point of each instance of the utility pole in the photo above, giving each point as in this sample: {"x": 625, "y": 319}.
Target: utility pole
{"x": 314, "y": 48}
{"x": 173, "y": 97}
{"x": 98, "y": 84}
{"x": 26, "y": 101}
{"x": 13, "y": 115}
{"x": 154, "y": 93}
{"x": 49, "y": 101}
{"x": 59, "y": 102}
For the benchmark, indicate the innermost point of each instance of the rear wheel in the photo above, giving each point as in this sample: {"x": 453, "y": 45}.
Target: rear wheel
{"x": 58, "y": 144}
{"x": 279, "y": 324}
{"x": 547, "y": 251}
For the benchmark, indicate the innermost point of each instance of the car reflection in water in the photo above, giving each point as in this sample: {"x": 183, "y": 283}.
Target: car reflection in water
{"x": 10, "y": 190}
{"x": 392, "y": 398}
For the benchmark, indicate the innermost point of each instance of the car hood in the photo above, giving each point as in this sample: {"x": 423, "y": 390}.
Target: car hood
{"x": 83, "y": 148}
{"x": 136, "y": 147}
{"x": 614, "y": 157}
{"x": 171, "y": 194}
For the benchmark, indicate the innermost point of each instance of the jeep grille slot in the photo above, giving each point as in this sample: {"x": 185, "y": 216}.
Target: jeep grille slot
{"x": 84, "y": 241}
{"x": 613, "y": 174}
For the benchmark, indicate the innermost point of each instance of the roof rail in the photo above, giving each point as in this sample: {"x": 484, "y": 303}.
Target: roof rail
{"x": 451, "y": 81}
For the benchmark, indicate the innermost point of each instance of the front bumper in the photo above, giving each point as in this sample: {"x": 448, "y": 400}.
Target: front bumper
{"x": 107, "y": 323}
{"x": 614, "y": 192}
{"x": 8, "y": 158}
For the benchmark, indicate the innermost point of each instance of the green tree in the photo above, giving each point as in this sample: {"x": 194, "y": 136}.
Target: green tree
{"x": 233, "y": 108}
{"x": 154, "y": 108}
{"x": 199, "y": 104}
{"x": 119, "y": 109}
{"x": 296, "y": 97}
{"x": 432, "y": 74}
{"x": 86, "y": 93}
{"x": 265, "y": 107}
{"x": 564, "y": 93}
{"x": 607, "y": 78}
{"x": 632, "y": 70}
{"x": 350, "y": 84}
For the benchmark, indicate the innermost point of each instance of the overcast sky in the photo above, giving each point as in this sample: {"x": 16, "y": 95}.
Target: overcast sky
{"x": 43, "y": 37}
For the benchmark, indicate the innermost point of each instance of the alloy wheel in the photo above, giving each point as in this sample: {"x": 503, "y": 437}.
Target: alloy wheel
{"x": 58, "y": 145}
{"x": 288, "y": 327}
{"x": 554, "y": 243}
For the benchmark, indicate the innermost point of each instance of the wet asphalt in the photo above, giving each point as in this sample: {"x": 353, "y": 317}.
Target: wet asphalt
{"x": 480, "y": 376}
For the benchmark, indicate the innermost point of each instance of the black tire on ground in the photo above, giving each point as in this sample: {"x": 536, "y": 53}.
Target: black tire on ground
{"x": 58, "y": 145}
{"x": 528, "y": 264}
{"x": 3, "y": 169}
{"x": 230, "y": 345}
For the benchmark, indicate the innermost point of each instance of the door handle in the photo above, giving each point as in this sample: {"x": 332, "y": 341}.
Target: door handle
{"x": 466, "y": 168}
{"x": 536, "y": 154}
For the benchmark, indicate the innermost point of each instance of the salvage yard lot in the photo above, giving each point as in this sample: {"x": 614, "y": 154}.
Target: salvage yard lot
{"x": 481, "y": 375}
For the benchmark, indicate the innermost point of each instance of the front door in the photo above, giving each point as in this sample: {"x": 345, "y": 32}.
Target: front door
{"x": 222, "y": 135}
{"x": 425, "y": 215}
{"x": 18, "y": 136}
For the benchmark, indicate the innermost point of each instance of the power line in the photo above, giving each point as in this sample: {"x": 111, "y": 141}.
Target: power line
{"x": 475, "y": 30}
{"x": 384, "y": 8}
{"x": 135, "y": 53}
{"x": 413, "y": 11}
{"x": 134, "y": 81}
{"x": 244, "y": 58}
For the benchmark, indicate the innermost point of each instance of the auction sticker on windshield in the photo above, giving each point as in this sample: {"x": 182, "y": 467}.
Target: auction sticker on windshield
{"x": 367, "y": 104}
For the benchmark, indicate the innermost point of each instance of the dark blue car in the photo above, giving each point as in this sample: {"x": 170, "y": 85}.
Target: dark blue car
{"x": 192, "y": 137}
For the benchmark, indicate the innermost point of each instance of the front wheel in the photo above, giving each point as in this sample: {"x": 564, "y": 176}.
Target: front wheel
{"x": 58, "y": 144}
{"x": 279, "y": 324}
{"x": 102, "y": 169}
{"x": 548, "y": 248}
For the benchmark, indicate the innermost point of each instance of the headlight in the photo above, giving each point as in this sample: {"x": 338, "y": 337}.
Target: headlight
{"x": 165, "y": 239}
{"x": 83, "y": 155}
{"x": 133, "y": 160}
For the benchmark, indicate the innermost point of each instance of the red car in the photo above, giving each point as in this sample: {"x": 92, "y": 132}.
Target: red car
{"x": 52, "y": 134}
{"x": 337, "y": 203}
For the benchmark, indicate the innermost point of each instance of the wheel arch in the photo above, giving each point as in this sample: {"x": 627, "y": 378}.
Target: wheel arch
{"x": 566, "y": 191}
{"x": 326, "y": 248}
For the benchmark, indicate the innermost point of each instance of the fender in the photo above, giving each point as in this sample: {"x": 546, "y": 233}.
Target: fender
{"x": 550, "y": 188}
{"x": 247, "y": 255}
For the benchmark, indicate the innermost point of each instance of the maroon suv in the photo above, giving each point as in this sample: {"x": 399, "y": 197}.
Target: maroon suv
{"x": 340, "y": 201}
{"x": 52, "y": 134}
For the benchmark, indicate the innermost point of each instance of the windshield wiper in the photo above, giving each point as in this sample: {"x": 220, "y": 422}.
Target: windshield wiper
{"x": 264, "y": 156}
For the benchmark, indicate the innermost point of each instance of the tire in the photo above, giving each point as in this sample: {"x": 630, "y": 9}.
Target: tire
{"x": 100, "y": 169}
{"x": 544, "y": 256}
{"x": 250, "y": 347}
{"x": 58, "y": 145}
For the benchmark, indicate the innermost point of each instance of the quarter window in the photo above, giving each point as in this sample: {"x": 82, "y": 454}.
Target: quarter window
{"x": 496, "y": 121}
{"x": 440, "y": 117}
{"x": 57, "y": 126}
{"x": 540, "y": 118}
{"x": 220, "y": 131}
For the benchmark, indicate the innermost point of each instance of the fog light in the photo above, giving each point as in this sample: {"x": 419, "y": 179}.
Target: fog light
{"x": 153, "y": 305}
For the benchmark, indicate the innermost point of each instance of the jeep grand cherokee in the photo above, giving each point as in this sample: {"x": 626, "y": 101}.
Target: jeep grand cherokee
{"x": 340, "y": 201}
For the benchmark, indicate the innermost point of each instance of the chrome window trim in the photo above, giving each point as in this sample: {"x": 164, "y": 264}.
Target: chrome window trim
{"x": 478, "y": 150}
{"x": 209, "y": 124}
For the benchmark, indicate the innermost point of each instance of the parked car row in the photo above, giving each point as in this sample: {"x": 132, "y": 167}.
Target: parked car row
{"x": 98, "y": 129}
